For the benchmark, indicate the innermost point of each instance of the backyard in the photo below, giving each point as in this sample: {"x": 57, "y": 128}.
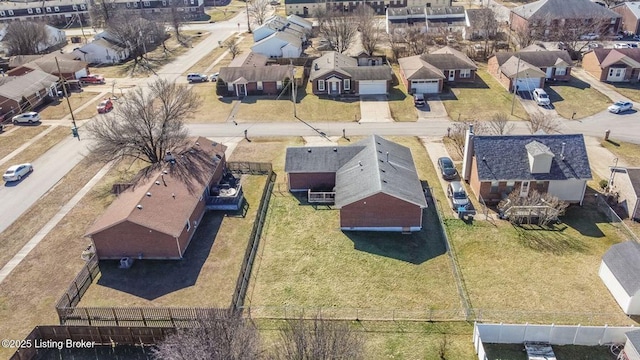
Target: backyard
{"x": 576, "y": 96}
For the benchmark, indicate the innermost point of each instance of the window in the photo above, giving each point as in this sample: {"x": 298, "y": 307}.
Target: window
{"x": 347, "y": 84}
{"x": 135, "y": 4}
{"x": 260, "y": 85}
{"x": 48, "y": 9}
{"x": 75, "y": 7}
{"x": 82, "y": 7}
{"x": 465, "y": 73}
{"x": 193, "y": 2}
{"x": 188, "y": 226}
{"x": 279, "y": 85}
{"x": 30, "y": 11}
{"x": 510, "y": 186}
{"x": 56, "y": 8}
{"x": 540, "y": 186}
{"x": 320, "y": 85}
{"x": 186, "y": 2}
{"x": 164, "y": 2}
{"x": 494, "y": 187}
{"x": 1, "y": 12}
{"x": 38, "y": 94}
{"x": 38, "y": 10}
{"x": 230, "y": 87}
{"x": 10, "y": 12}
{"x": 613, "y": 20}
{"x": 128, "y": 5}
{"x": 147, "y": 4}
{"x": 561, "y": 71}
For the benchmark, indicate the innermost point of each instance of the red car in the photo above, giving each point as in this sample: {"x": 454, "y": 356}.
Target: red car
{"x": 92, "y": 79}
{"x": 105, "y": 106}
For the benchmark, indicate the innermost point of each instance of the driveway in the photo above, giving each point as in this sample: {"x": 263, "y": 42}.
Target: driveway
{"x": 374, "y": 108}
{"x": 433, "y": 110}
{"x": 532, "y": 108}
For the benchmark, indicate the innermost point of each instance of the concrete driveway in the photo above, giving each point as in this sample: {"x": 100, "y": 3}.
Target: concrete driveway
{"x": 532, "y": 108}
{"x": 433, "y": 110}
{"x": 374, "y": 108}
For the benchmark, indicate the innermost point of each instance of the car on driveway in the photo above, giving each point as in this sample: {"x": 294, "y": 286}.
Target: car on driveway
{"x": 620, "y": 106}
{"x": 621, "y": 46}
{"x": 447, "y": 170}
{"x": 214, "y": 77}
{"x": 540, "y": 96}
{"x": 105, "y": 106}
{"x": 28, "y": 117}
{"x": 457, "y": 195}
{"x": 17, "y": 172}
{"x": 418, "y": 100}
{"x": 193, "y": 77}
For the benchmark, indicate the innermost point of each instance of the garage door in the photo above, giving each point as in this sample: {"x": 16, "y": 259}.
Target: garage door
{"x": 527, "y": 84}
{"x": 425, "y": 86}
{"x": 372, "y": 87}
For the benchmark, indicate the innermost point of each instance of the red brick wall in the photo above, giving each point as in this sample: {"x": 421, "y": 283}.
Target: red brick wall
{"x": 313, "y": 181}
{"x": 591, "y": 65}
{"x": 494, "y": 69}
{"x": 8, "y": 105}
{"x": 517, "y": 22}
{"x": 185, "y": 237}
{"x": 380, "y": 210}
{"x": 127, "y": 239}
{"x": 629, "y": 21}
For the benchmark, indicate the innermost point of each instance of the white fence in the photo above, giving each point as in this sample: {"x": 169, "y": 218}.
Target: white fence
{"x": 552, "y": 334}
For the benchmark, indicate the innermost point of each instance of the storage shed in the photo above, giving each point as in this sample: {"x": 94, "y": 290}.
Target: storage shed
{"x": 620, "y": 272}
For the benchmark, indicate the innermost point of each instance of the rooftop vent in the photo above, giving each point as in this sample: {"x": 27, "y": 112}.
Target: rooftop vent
{"x": 149, "y": 194}
{"x": 173, "y": 195}
{"x": 308, "y": 149}
{"x": 157, "y": 182}
{"x": 360, "y": 163}
{"x": 335, "y": 149}
{"x": 562, "y": 151}
{"x": 197, "y": 143}
{"x": 139, "y": 206}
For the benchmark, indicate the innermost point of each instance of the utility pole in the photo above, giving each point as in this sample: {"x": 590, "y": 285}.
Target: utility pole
{"x": 293, "y": 89}
{"x": 246, "y": 2}
{"x": 74, "y": 129}
{"x": 515, "y": 88}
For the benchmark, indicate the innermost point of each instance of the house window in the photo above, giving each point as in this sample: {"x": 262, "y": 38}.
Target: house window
{"x": 10, "y": 12}
{"x": 510, "y": 186}
{"x": 230, "y": 87}
{"x": 164, "y": 2}
{"x": 48, "y": 9}
{"x": 56, "y": 8}
{"x": 279, "y": 85}
{"x": 494, "y": 187}
{"x": 260, "y": 85}
{"x": 347, "y": 84}
{"x": 147, "y": 4}
{"x": 188, "y": 226}
{"x": 30, "y": 11}
{"x": 561, "y": 71}
{"x": 193, "y": 2}
{"x": 75, "y": 7}
{"x": 186, "y": 2}
{"x": 1, "y": 12}
{"x": 82, "y": 7}
{"x": 320, "y": 85}
{"x": 38, "y": 10}
{"x": 135, "y": 4}
{"x": 613, "y": 20}
{"x": 465, "y": 73}
{"x": 128, "y": 5}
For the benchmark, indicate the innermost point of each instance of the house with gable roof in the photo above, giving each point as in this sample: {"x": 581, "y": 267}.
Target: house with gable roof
{"x": 620, "y": 272}
{"x": 249, "y": 74}
{"x": 375, "y": 182}
{"x": 26, "y": 92}
{"x": 613, "y": 65}
{"x": 64, "y": 65}
{"x": 630, "y": 13}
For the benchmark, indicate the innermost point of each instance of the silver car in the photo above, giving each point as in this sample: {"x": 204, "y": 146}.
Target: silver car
{"x": 457, "y": 195}
{"x": 620, "y": 106}
{"x": 17, "y": 172}
{"x": 28, "y": 117}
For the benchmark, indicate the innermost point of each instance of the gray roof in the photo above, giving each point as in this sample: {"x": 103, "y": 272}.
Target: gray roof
{"x": 564, "y": 9}
{"x": 318, "y": 159}
{"x": 447, "y": 58}
{"x": 539, "y": 59}
{"x": 284, "y": 36}
{"x": 249, "y": 59}
{"x": 335, "y": 61}
{"x": 255, "y": 73}
{"x": 378, "y": 72}
{"x": 407, "y": 11}
{"x": 502, "y": 158}
{"x": 106, "y": 44}
{"x": 634, "y": 338}
{"x": 448, "y": 10}
{"x": 634, "y": 177}
{"x": 382, "y": 166}
{"x": 415, "y": 68}
{"x": 623, "y": 260}
{"x": 27, "y": 84}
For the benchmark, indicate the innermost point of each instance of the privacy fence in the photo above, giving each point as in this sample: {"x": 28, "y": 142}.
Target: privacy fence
{"x": 614, "y": 219}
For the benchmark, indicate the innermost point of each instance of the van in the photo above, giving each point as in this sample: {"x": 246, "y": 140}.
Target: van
{"x": 457, "y": 195}
{"x": 193, "y": 77}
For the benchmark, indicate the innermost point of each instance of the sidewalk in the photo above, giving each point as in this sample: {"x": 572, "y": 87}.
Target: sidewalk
{"x": 603, "y": 88}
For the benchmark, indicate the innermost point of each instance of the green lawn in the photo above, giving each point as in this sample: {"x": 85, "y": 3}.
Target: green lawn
{"x": 401, "y": 103}
{"x": 576, "y": 96}
{"x": 481, "y": 100}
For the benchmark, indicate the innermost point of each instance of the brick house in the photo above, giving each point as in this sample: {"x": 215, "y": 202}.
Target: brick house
{"x": 69, "y": 68}
{"x": 530, "y": 68}
{"x": 250, "y": 75}
{"x": 495, "y": 166}
{"x": 630, "y": 13}
{"x": 26, "y": 92}
{"x": 426, "y": 73}
{"x": 375, "y": 182}
{"x": 335, "y": 74}
{"x": 157, "y": 217}
{"x": 613, "y": 65}
{"x": 309, "y": 7}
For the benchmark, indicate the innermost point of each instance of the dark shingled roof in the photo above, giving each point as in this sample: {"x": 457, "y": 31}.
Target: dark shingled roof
{"x": 602, "y": 53}
{"x": 536, "y": 58}
{"x": 623, "y": 260}
{"x": 255, "y": 73}
{"x": 634, "y": 177}
{"x": 334, "y": 61}
{"x": 447, "y": 58}
{"x": 318, "y": 159}
{"x": 564, "y": 9}
{"x": 634, "y": 338}
{"x": 369, "y": 173}
{"x": 502, "y": 158}
{"x": 378, "y": 72}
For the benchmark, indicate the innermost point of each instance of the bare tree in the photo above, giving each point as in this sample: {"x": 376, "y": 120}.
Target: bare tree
{"x": 543, "y": 207}
{"x": 147, "y": 125}
{"x": 101, "y": 12}
{"x": 175, "y": 18}
{"x": 397, "y": 49}
{"x": 370, "y": 35}
{"x": 136, "y": 33}
{"x": 259, "y": 10}
{"x": 337, "y": 29}
{"x": 539, "y": 122}
{"x": 222, "y": 335}
{"x": 487, "y": 24}
{"x": 416, "y": 40}
{"x": 458, "y": 131}
{"x": 523, "y": 36}
{"x": 26, "y": 38}
{"x": 232, "y": 45}
{"x": 499, "y": 124}
{"x": 319, "y": 339}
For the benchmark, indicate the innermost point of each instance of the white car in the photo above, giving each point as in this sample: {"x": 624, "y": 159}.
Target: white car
{"x": 29, "y": 117}
{"x": 589, "y": 36}
{"x": 17, "y": 172}
{"x": 621, "y": 46}
{"x": 620, "y": 106}
{"x": 214, "y": 77}
{"x": 541, "y": 97}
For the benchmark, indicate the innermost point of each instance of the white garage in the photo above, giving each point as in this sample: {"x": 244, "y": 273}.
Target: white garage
{"x": 620, "y": 272}
{"x": 372, "y": 87}
{"x": 425, "y": 86}
{"x": 527, "y": 84}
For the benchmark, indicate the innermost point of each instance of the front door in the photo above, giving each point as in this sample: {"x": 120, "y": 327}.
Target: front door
{"x": 334, "y": 87}
{"x": 241, "y": 90}
{"x": 452, "y": 75}
{"x": 616, "y": 74}
{"x": 524, "y": 189}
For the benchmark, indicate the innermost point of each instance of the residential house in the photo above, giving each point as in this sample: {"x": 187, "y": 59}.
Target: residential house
{"x": 450, "y": 19}
{"x": 613, "y": 65}
{"x": 426, "y": 73}
{"x": 543, "y": 17}
{"x": 495, "y": 166}
{"x": 530, "y": 68}
{"x": 475, "y": 29}
{"x": 309, "y": 7}
{"x": 336, "y": 74}
{"x": 56, "y": 39}
{"x": 157, "y": 217}
{"x": 626, "y": 182}
{"x": 278, "y": 23}
{"x": 279, "y": 44}
{"x": 375, "y": 182}
{"x": 102, "y": 51}
{"x": 302, "y": 22}
{"x": 54, "y": 63}
{"x": 620, "y": 272}
{"x": 630, "y": 13}
{"x": 55, "y": 12}
{"x": 157, "y": 9}
{"x": 250, "y": 75}
{"x": 26, "y": 92}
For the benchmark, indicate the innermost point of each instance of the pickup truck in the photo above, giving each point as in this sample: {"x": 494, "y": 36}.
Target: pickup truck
{"x": 92, "y": 79}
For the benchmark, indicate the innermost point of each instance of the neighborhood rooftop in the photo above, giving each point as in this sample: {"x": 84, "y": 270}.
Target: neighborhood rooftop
{"x": 623, "y": 260}
{"x": 563, "y": 9}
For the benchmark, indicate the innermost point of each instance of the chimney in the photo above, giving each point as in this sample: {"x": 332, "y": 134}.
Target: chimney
{"x": 467, "y": 154}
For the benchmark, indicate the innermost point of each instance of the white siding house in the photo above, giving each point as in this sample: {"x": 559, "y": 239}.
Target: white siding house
{"x": 571, "y": 190}
{"x": 632, "y": 345}
{"x": 102, "y": 51}
{"x": 279, "y": 44}
{"x": 626, "y": 182}
{"x": 620, "y": 272}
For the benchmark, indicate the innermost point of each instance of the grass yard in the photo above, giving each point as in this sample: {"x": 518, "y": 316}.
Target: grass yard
{"x": 524, "y": 272}
{"x": 481, "y": 100}
{"x": 60, "y": 109}
{"x": 9, "y": 141}
{"x": 245, "y": 43}
{"x": 629, "y": 90}
{"x": 401, "y": 103}
{"x": 28, "y": 294}
{"x": 222, "y": 13}
{"x": 627, "y": 151}
{"x": 314, "y": 108}
{"x": 40, "y": 147}
{"x": 204, "y": 63}
{"x": 576, "y": 96}
{"x": 206, "y": 277}
{"x": 213, "y": 108}
{"x": 305, "y": 260}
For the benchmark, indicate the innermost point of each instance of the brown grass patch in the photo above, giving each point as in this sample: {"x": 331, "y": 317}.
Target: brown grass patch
{"x": 9, "y": 141}
{"x": 60, "y": 109}
{"x": 213, "y": 108}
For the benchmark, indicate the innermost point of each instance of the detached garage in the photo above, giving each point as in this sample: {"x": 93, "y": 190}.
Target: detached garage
{"x": 620, "y": 272}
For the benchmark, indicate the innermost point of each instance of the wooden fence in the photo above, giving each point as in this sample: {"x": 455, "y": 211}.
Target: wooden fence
{"x": 79, "y": 285}
{"x": 136, "y": 317}
{"x": 253, "y": 168}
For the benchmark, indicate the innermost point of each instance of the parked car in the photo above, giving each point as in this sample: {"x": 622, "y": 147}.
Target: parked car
{"x": 17, "y": 172}
{"x": 447, "y": 170}
{"x": 105, "y": 106}
{"x": 28, "y": 117}
{"x": 632, "y": 45}
{"x": 562, "y": 46}
{"x": 92, "y": 79}
{"x": 193, "y": 77}
{"x": 457, "y": 195}
{"x": 418, "y": 100}
{"x": 214, "y": 77}
{"x": 593, "y": 45}
{"x": 618, "y": 37}
{"x": 540, "y": 96}
{"x": 620, "y": 106}
{"x": 589, "y": 36}
{"x": 621, "y": 46}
